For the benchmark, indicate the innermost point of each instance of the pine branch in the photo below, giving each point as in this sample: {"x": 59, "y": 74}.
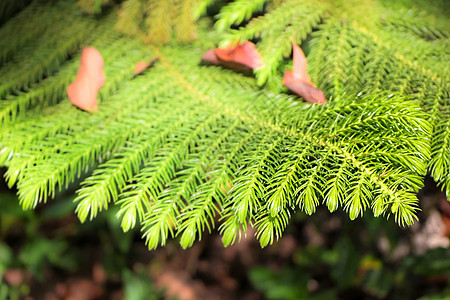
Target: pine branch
{"x": 201, "y": 7}
{"x": 52, "y": 89}
{"x": 418, "y": 22}
{"x": 433, "y": 91}
{"x": 422, "y": 146}
{"x": 243, "y": 200}
{"x": 47, "y": 61}
{"x": 159, "y": 21}
{"x": 291, "y": 21}
{"x": 26, "y": 23}
{"x": 181, "y": 179}
{"x": 209, "y": 199}
{"x": 185, "y": 144}
{"x": 184, "y": 26}
{"x": 237, "y": 12}
{"x": 109, "y": 179}
{"x": 67, "y": 140}
{"x": 131, "y": 17}
{"x": 196, "y": 215}
{"x": 380, "y": 66}
{"x": 35, "y": 128}
{"x": 270, "y": 228}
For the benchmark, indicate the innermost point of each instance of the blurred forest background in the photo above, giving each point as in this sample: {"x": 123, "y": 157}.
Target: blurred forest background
{"x": 47, "y": 253}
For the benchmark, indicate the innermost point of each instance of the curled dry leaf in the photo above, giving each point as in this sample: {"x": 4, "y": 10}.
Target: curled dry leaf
{"x": 142, "y": 66}
{"x": 298, "y": 80}
{"x": 240, "y": 56}
{"x": 83, "y": 91}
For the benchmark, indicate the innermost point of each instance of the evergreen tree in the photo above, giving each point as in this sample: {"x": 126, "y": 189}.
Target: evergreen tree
{"x": 186, "y": 146}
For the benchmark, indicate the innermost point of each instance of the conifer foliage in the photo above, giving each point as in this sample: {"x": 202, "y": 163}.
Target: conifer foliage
{"x": 186, "y": 147}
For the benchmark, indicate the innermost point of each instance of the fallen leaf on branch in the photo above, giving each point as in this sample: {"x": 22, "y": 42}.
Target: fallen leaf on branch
{"x": 298, "y": 80}
{"x": 142, "y": 66}
{"x": 83, "y": 91}
{"x": 241, "y": 57}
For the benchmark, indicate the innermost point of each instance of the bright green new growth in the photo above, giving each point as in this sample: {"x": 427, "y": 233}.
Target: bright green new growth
{"x": 187, "y": 146}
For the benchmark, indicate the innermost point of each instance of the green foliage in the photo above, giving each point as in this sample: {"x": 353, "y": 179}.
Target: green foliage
{"x": 367, "y": 258}
{"x": 51, "y": 246}
{"x": 286, "y": 284}
{"x": 185, "y": 144}
{"x": 156, "y": 21}
{"x": 345, "y": 270}
{"x": 92, "y": 6}
{"x": 277, "y": 29}
{"x": 9, "y": 7}
{"x": 137, "y": 286}
{"x": 352, "y": 53}
{"x": 238, "y": 11}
